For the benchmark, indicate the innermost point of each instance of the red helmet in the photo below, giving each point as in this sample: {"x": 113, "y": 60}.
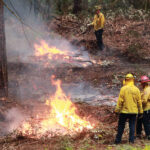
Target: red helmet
{"x": 144, "y": 79}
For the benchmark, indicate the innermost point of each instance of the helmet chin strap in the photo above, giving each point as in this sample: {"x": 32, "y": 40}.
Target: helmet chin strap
{"x": 144, "y": 84}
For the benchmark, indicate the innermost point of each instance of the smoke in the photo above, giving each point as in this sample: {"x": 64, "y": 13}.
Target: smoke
{"x": 85, "y": 92}
{"x": 28, "y": 28}
{"x": 81, "y": 90}
{"x": 19, "y": 36}
{"x": 28, "y": 77}
{"x": 14, "y": 118}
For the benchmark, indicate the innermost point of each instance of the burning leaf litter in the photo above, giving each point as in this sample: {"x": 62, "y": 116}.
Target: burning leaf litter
{"x": 49, "y": 54}
{"x": 62, "y": 118}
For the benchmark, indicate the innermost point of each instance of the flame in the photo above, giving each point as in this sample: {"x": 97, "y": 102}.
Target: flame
{"x": 62, "y": 117}
{"x": 64, "y": 110}
{"x": 51, "y": 52}
{"x": 26, "y": 128}
{"x": 48, "y": 53}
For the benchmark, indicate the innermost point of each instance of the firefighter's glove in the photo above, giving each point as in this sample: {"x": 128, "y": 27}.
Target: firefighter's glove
{"x": 89, "y": 24}
{"x": 140, "y": 116}
{"x": 116, "y": 112}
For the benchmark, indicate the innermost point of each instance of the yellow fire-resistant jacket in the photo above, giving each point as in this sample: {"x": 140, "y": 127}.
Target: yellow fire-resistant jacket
{"x": 146, "y": 98}
{"x": 129, "y": 100}
{"x": 99, "y": 21}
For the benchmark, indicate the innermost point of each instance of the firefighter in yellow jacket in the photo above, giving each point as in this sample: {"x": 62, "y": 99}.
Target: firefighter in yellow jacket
{"x": 98, "y": 23}
{"x": 145, "y": 96}
{"x": 129, "y": 105}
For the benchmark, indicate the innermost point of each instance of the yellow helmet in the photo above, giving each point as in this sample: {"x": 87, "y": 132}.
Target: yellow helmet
{"x": 129, "y": 76}
{"x": 98, "y": 7}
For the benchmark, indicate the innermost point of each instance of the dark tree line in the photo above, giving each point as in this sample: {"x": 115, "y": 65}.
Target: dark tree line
{"x": 76, "y": 6}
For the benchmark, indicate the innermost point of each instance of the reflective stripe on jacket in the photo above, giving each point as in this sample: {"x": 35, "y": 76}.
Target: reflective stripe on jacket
{"x": 99, "y": 21}
{"x": 129, "y": 100}
{"x": 146, "y": 98}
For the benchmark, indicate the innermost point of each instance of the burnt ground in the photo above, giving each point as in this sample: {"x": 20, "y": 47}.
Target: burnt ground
{"x": 124, "y": 52}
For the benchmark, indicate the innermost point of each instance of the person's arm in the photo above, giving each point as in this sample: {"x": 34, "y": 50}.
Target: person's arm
{"x": 92, "y": 23}
{"x": 139, "y": 102}
{"x": 145, "y": 97}
{"x": 102, "y": 20}
{"x": 120, "y": 101}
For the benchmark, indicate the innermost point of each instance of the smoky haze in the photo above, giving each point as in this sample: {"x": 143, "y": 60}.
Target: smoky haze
{"x": 20, "y": 37}
{"x": 27, "y": 76}
{"x": 29, "y": 28}
{"x": 14, "y": 118}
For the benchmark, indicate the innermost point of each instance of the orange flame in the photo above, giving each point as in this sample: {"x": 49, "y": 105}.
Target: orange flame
{"x": 47, "y": 53}
{"x": 62, "y": 117}
{"x": 51, "y": 52}
{"x": 64, "y": 110}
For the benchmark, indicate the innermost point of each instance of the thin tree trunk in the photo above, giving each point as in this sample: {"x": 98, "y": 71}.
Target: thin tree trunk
{"x": 3, "y": 58}
{"x": 77, "y": 6}
{"x": 146, "y": 4}
{"x": 85, "y": 4}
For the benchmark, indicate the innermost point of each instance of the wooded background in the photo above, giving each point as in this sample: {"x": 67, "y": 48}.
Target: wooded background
{"x": 76, "y": 6}
{"x": 46, "y": 8}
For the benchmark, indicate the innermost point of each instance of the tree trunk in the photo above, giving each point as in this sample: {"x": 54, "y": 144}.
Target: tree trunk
{"x": 77, "y": 6}
{"x": 144, "y": 4}
{"x": 85, "y": 4}
{"x": 3, "y": 58}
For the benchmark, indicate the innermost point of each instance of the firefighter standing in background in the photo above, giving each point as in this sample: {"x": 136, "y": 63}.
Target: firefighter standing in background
{"x": 129, "y": 105}
{"x": 145, "y": 119}
{"x": 98, "y": 23}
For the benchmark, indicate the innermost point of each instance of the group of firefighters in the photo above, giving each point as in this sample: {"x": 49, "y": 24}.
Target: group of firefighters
{"x": 133, "y": 106}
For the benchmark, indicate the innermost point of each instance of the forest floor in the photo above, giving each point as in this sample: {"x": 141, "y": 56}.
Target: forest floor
{"x": 100, "y": 138}
{"x": 127, "y": 49}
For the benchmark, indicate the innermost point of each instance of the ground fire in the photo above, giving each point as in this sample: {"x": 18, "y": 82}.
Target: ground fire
{"x": 62, "y": 118}
{"x": 44, "y": 49}
{"x": 49, "y": 54}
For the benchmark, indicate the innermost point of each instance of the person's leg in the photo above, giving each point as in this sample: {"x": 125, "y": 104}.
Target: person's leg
{"x": 99, "y": 34}
{"x": 101, "y": 39}
{"x": 132, "y": 119}
{"x": 148, "y": 125}
{"x": 139, "y": 126}
{"x": 146, "y": 122}
{"x": 121, "y": 126}
{"x": 97, "y": 37}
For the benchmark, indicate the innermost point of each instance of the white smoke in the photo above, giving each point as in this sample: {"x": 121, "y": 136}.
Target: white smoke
{"x": 27, "y": 77}
{"x": 14, "y": 118}
{"x": 85, "y": 92}
{"x": 26, "y": 29}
